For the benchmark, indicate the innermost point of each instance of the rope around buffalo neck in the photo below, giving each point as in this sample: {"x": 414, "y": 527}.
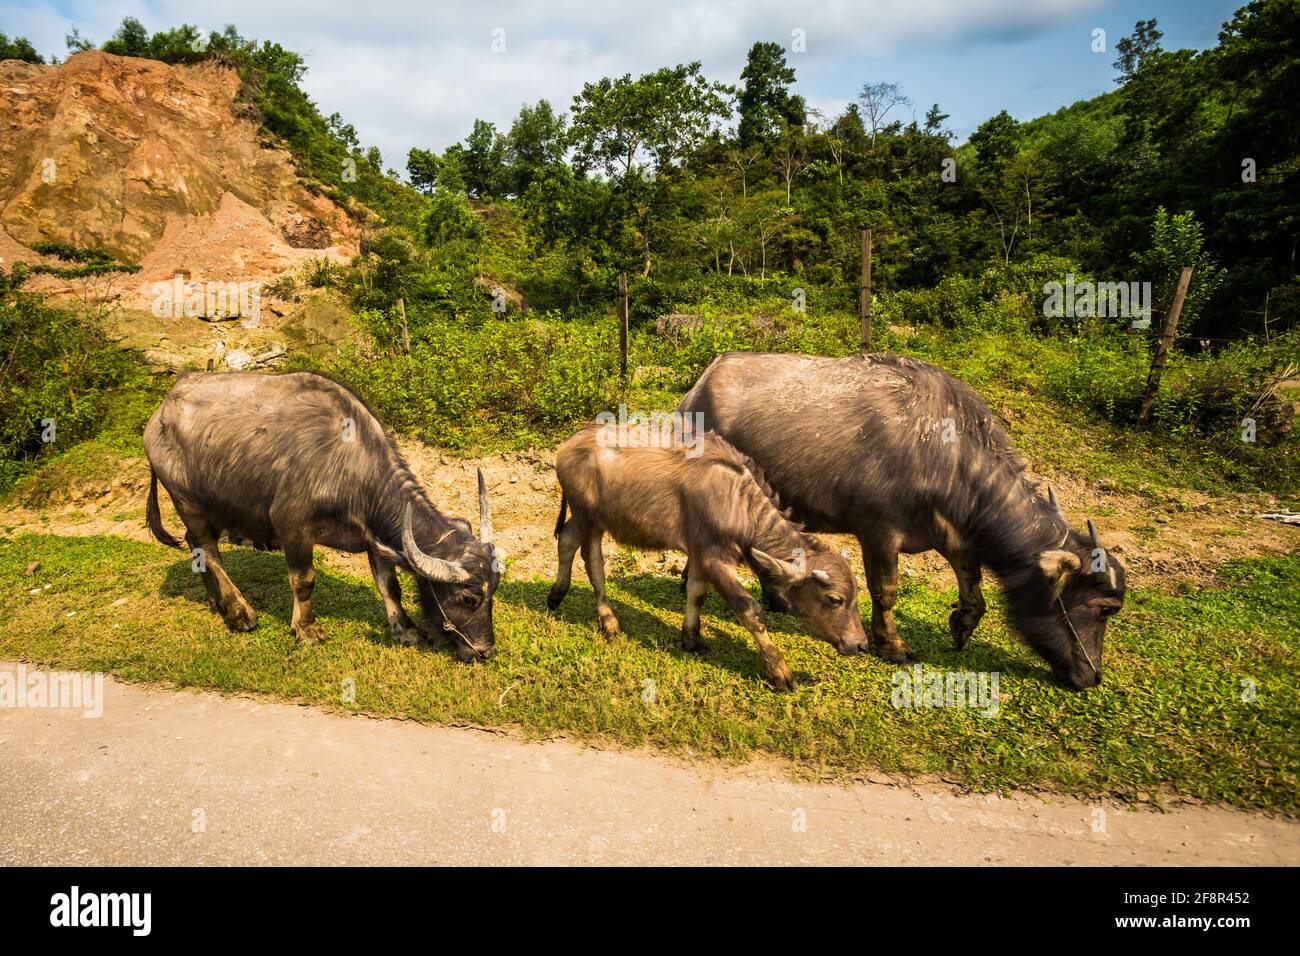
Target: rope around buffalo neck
{"x": 453, "y": 629}
{"x": 1077, "y": 639}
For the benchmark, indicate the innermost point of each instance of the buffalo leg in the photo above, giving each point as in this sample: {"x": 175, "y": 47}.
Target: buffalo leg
{"x": 748, "y": 611}
{"x": 302, "y": 579}
{"x": 400, "y": 624}
{"x": 773, "y": 600}
{"x": 566, "y": 544}
{"x": 697, "y": 588}
{"x": 225, "y": 597}
{"x": 882, "y": 581}
{"x": 595, "y": 562}
{"x": 970, "y": 598}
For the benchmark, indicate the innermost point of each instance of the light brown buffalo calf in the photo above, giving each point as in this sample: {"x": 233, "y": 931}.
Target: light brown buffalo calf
{"x": 701, "y": 496}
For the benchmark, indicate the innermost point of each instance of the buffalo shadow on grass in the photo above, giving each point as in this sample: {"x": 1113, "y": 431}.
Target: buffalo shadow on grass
{"x": 932, "y": 642}
{"x": 263, "y": 578}
{"x": 722, "y": 648}
{"x": 929, "y": 638}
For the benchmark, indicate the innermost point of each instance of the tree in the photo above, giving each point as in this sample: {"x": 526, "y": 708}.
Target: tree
{"x": 877, "y": 100}
{"x": 996, "y": 138}
{"x": 422, "y": 168}
{"x": 450, "y": 219}
{"x": 77, "y": 43}
{"x": 766, "y": 103}
{"x": 934, "y": 118}
{"x": 20, "y": 48}
{"x": 662, "y": 115}
{"x": 1133, "y": 49}
{"x": 451, "y": 169}
{"x": 536, "y": 142}
{"x": 484, "y": 159}
{"x": 131, "y": 39}
{"x": 791, "y": 154}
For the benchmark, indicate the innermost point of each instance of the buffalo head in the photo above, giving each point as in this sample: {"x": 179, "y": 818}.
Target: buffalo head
{"x": 1085, "y": 588}
{"x": 457, "y": 593}
{"x": 821, "y": 591}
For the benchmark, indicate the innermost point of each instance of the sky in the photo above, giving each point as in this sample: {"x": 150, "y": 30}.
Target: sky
{"x": 419, "y": 72}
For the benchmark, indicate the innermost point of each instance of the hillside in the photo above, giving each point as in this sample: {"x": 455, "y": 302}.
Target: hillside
{"x": 161, "y": 166}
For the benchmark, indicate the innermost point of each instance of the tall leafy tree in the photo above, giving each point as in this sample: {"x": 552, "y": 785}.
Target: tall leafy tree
{"x": 657, "y": 118}
{"x": 637, "y": 130}
{"x": 766, "y": 104}
{"x": 422, "y": 168}
{"x": 536, "y": 143}
{"x": 484, "y": 161}
{"x": 1136, "y": 47}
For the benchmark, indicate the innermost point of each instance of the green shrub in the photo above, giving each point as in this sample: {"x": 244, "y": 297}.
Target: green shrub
{"x": 503, "y": 381}
{"x": 54, "y": 369}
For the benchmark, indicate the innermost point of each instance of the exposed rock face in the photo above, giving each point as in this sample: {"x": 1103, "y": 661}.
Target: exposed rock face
{"x": 154, "y": 163}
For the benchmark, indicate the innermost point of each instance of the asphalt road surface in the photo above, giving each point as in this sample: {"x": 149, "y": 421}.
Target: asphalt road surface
{"x": 181, "y": 777}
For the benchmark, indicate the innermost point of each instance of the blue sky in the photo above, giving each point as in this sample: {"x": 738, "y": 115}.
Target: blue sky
{"x": 417, "y": 72}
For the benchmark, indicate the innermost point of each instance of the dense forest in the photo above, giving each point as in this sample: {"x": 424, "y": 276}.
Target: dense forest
{"x": 679, "y": 179}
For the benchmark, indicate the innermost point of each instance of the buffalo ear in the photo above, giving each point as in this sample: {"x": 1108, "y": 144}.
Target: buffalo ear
{"x": 387, "y": 553}
{"x": 1057, "y": 566}
{"x": 784, "y": 573}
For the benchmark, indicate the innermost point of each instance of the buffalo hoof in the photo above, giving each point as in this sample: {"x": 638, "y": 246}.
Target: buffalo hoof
{"x": 241, "y": 618}
{"x": 409, "y": 635}
{"x": 898, "y": 653}
{"x": 553, "y": 599}
{"x": 692, "y": 643}
{"x": 610, "y": 627}
{"x": 782, "y": 681}
{"x": 961, "y": 629}
{"x": 308, "y": 634}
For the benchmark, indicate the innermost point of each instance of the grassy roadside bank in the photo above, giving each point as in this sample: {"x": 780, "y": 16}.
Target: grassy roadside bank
{"x": 1171, "y": 717}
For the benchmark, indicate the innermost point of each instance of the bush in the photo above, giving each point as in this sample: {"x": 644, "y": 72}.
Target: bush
{"x": 516, "y": 381}
{"x": 56, "y": 369}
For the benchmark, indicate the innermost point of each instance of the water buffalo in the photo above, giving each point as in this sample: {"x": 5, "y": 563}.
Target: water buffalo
{"x": 703, "y": 497}
{"x": 908, "y": 458}
{"x": 291, "y": 461}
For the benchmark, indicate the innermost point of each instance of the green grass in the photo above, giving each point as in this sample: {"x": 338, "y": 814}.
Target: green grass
{"x": 1170, "y": 717}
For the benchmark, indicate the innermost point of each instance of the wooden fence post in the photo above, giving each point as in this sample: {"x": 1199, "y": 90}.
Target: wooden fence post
{"x": 1167, "y": 334}
{"x": 864, "y": 297}
{"x": 622, "y": 324}
{"x": 406, "y": 333}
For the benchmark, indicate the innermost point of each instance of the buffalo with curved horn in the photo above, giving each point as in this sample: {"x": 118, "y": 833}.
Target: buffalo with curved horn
{"x": 909, "y": 459}
{"x": 292, "y": 461}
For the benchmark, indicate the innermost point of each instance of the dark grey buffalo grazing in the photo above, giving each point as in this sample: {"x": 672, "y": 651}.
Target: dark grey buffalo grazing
{"x": 908, "y": 458}
{"x": 292, "y": 461}
{"x": 699, "y": 495}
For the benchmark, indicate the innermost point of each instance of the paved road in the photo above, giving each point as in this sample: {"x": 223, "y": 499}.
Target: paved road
{"x": 178, "y": 777}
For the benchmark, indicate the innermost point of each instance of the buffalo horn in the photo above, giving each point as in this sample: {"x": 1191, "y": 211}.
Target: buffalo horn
{"x": 484, "y": 514}
{"x": 435, "y": 569}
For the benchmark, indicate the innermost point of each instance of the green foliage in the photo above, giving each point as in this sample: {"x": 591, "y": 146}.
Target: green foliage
{"x": 319, "y": 273}
{"x": 422, "y": 169}
{"x": 766, "y": 104}
{"x": 19, "y": 48}
{"x": 1176, "y": 241}
{"x": 498, "y": 382}
{"x": 54, "y": 368}
{"x": 93, "y": 261}
{"x": 449, "y": 218}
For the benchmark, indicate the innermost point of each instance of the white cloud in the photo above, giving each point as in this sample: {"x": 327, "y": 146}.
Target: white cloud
{"x": 414, "y": 73}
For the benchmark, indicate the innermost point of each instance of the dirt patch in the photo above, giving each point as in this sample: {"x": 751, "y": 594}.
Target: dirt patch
{"x": 1172, "y": 543}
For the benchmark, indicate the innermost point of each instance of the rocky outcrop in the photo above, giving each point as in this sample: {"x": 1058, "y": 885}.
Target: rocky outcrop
{"x": 157, "y": 164}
